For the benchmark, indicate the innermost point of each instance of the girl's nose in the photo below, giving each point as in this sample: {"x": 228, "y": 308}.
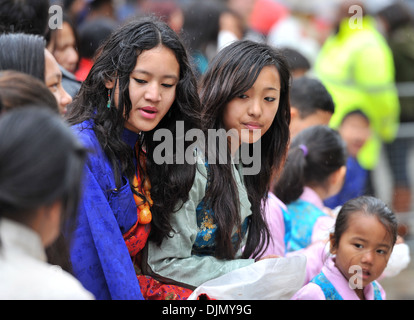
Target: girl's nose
{"x": 367, "y": 257}
{"x": 72, "y": 59}
{"x": 65, "y": 99}
{"x": 152, "y": 93}
{"x": 73, "y": 55}
{"x": 255, "y": 109}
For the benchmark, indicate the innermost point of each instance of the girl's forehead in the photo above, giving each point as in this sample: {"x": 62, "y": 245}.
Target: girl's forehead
{"x": 158, "y": 59}
{"x": 367, "y": 226}
{"x": 361, "y": 221}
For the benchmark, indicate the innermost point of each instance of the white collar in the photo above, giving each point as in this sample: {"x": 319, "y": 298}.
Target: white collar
{"x": 18, "y": 238}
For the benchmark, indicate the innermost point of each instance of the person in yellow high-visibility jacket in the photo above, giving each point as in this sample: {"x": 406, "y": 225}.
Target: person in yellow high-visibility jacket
{"x": 356, "y": 66}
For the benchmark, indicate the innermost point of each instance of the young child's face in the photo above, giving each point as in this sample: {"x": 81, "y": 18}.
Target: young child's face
{"x": 355, "y": 131}
{"x": 252, "y": 113}
{"x": 366, "y": 243}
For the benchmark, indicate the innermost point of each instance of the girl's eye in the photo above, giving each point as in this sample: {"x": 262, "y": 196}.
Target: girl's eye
{"x": 166, "y": 85}
{"x": 359, "y": 246}
{"x": 53, "y": 87}
{"x": 243, "y": 96}
{"x": 270, "y": 99}
{"x": 382, "y": 252}
{"x": 140, "y": 81}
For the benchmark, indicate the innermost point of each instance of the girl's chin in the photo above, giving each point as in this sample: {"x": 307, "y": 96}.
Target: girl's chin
{"x": 252, "y": 137}
{"x": 144, "y": 125}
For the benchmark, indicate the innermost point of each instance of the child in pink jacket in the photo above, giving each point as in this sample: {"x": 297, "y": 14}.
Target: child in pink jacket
{"x": 364, "y": 237}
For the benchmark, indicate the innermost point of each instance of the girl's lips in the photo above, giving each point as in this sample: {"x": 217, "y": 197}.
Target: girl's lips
{"x": 365, "y": 274}
{"x": 253, "y": 125}
{"x": 148, "y": 112}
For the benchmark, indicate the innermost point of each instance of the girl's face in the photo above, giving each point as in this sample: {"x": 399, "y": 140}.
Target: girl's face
{"x": 367, "y": 244}
{"x": 152, "y": 88}
{"x": 65, "y": 48}
{"x": 355, "y": 130}
{"x": 252, "y": 113}
{"x": 53, "y": 80}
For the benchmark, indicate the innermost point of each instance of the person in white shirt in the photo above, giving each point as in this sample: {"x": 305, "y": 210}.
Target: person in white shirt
{"x": 41, "y": 165}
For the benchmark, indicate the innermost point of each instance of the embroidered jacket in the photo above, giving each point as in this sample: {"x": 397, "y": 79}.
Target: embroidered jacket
{"x": 187, "y": 257}
{"x": 308, "y": 220}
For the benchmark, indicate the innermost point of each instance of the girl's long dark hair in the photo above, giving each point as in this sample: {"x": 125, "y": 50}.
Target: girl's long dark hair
{"x": 23, "y": 52}
{"x": 314, "y": 154}
{"x": 231, "y": 73}
{"x": 20, "y": 89}
{"x": 115, "y": 61}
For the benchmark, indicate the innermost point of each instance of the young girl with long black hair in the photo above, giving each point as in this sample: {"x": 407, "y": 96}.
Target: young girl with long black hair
{"x": 140, "y": 82}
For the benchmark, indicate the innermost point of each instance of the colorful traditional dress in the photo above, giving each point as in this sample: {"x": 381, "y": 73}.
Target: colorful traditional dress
{"x": 309, "y": 221}
{"x": 330, "y": 284}
{"x": 279, "y": 224}
{"x": 108, "y": 234}
{"x": 186, "y": 258}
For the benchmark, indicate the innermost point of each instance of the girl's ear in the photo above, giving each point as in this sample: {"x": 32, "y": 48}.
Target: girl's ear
{"x": 109, "y": 84}
{"x": 294, "y": 112}
{"x": 333, "y": 245}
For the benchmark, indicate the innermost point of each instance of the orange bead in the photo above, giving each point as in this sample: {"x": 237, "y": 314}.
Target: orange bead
{"x": 147, "y": 184}
{"x": 138, "y": 199}
{"x": 145, "y": 216}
